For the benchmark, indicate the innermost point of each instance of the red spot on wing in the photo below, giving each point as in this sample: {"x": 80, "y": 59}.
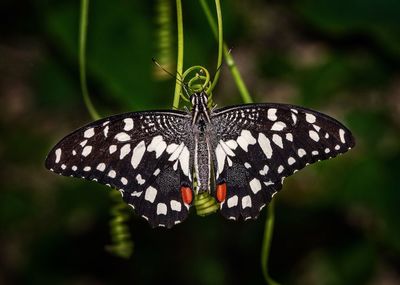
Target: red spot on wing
{"x": 221, "y": 192}
{"x": 187, "y": 195}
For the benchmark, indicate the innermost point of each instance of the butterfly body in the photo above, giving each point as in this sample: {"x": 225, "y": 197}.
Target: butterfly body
{"x": 160, "y": 159}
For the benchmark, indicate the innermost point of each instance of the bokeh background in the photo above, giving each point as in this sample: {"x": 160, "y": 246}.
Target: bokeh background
{"x": 337, "y": 222}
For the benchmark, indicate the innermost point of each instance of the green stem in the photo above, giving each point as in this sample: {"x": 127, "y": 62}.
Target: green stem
{"x": 266, "y": 246}
{"x": 82, "y": 59}
{"x": 179, "y": 63}
{"x": 220, "y": 44}
{"x": 244, "y": 92}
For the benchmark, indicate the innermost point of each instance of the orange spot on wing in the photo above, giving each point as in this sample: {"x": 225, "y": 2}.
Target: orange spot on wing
{"x": 187, "y": 195}
{"x": 221, "y": 192}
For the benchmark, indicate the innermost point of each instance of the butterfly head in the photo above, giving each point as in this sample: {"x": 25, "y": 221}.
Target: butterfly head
{"x": 200, "y": 108}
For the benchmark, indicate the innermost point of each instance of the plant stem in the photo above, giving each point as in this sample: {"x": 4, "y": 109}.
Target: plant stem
{"x": 269, "y": 223}
{"x": 179, "y": 63}
{"x": 244, "y": 93}
{"x": 82, "y": 59}
{"x": 266, "y": 246}
{"x": 220, "y": 44}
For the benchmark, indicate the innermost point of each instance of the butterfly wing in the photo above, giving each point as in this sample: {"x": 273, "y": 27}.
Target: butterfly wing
{"x": 146, "y": 155}
{"x": 256, "y": 146}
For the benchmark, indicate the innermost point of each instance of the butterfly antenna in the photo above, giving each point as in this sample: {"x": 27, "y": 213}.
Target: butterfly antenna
{"x": 166, "y": 71}
{"x": 183, "y": 84}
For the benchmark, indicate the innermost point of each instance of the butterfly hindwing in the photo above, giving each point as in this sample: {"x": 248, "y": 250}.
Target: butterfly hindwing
{"x": 145, "y": 155}
{"x": 256, "y": 146}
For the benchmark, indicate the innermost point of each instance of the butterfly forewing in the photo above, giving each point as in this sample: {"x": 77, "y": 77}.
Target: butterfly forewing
{"x": 145, "y": 155}
{"x": 256, "y": 146}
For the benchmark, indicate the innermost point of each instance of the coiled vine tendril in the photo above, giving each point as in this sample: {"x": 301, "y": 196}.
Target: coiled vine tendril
{"x": 197, "y": 79}
{"x": 121, "y": 240}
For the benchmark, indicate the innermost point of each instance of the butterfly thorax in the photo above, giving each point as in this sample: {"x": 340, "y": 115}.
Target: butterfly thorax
{"x": 202, "y": 147}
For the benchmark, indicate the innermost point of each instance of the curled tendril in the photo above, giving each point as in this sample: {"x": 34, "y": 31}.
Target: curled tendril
{"x": 197, "y": 79}
{"x": 121, "y": 241}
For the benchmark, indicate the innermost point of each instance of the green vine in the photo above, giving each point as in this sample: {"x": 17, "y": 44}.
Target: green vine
{"x": 122, "y": 244}
{"x": 164, "y": 38}
{"x": 269, "y": 224}
{"x": 179, "y": 60}
{"x": 82, "y": 59}
{"x": 230, "y": 62}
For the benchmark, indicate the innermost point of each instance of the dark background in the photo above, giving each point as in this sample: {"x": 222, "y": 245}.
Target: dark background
{"x": 337, "y": 222}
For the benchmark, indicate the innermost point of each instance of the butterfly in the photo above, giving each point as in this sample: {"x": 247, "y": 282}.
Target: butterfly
{"x": 159, "y": 160}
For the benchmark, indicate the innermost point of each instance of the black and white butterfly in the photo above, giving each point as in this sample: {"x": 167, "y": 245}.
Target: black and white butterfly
{"x": 239, "y": 154}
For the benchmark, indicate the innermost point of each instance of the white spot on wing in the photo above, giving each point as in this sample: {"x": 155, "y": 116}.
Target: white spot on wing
{"x": 101, "y": 167}
{"x": 277, "y": 140}
{"x": 112, "y": 148}
{"x": 278, "y": 126}
{"x": 294, "y": 118}
{"x": 137, "y": 193}
{"x": 87, "y": 168}
{"x": 226, "y": 148}
{"x": 137, "y": 154}
{"x": 255, "y": 185}
{"x": 161, "y": 209}
{"x": 151, "y": 194}
{"x": 289, "y": 137}
{"x": 313, "y": 135}
{"x": 140, "y": 180}
{"x": 272, "y": 114}
{"x": 245, "y": 139}
{"x": 246, "y": 202}
{"x": 112, "y": 174}
{"x": 176, "y": 206}
{"x": 156, "y": 172}
{"x": 280, "y": 169}
{"x": 301, "y": 152}
{"x": 232, "y": 201}
{"x": 247, "y": 165}
{"x": 232, "y": 144}
{"x": 124, "y": 180}
{"x": 291, "y": 160}
{"x": 264, "y": 171}
{"x": 265, "y": 145}
{"x": 220, "y": 153}
{"x": 125, "y": 150}
{"x": 341, "y": 134}
{"x": 184, "y": 161}
{"x": 87, "y": 150}
{"x": 83, "y": 143}
{"x": 172, "y": 147}
{"x": 158, "y": 145}
{"x": 89, "y": 133}
{"x": 310, "y": 118}
{"x": 128, "y": 124}
{"x": 176, "y": 152}
{"x": 122, "y": 137}
{"x": 105, "y": 131}
{"x": 58, "y": 155}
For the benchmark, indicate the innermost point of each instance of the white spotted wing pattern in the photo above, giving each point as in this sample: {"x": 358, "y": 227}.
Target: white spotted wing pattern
{"x": 145, "y": 155}
{"x": 152, "y": 157}
{"x": 258, "y": 145}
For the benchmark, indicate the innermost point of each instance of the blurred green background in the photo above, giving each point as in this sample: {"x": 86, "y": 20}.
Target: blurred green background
{"x": 337, "y": 222}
